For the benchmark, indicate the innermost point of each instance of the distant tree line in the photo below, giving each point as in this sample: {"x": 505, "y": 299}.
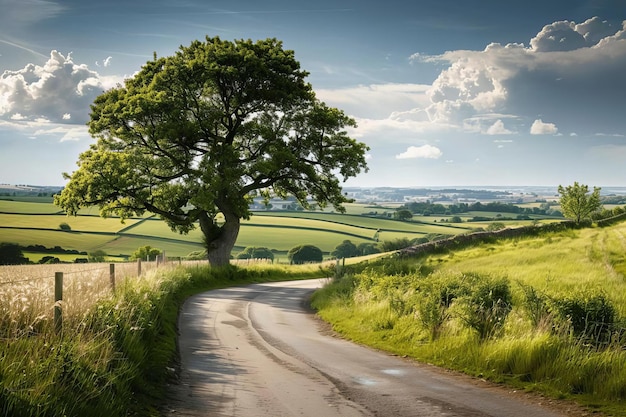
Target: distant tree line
{"x": 427, "y": 208}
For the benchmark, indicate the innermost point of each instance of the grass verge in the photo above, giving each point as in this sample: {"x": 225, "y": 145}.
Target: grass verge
{"x": 113, "y": 359}
{"x": 542, "y": 314}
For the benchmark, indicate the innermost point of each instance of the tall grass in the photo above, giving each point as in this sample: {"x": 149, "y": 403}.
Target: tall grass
{"x": 112, "y": 356}
{"x": 552, "y": 307}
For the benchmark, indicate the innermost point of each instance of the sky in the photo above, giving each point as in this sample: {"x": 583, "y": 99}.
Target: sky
{"x": 444, "y": 92}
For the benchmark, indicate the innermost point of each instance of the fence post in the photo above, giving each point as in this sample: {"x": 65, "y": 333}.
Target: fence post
{"x": 58, "y": 297}
{"x": 139, "y": 267}
{"x": 112, "y": 276}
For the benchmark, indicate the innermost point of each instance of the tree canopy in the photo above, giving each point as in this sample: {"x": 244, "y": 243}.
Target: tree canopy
{"x": 577, "y": 203}
{"x": 200, "y": 133}
{"x": 305, "y": 253}
{"x": 345, "y": 249}
{"x": 252, "y": 252}
{"x": 11, "y": 254}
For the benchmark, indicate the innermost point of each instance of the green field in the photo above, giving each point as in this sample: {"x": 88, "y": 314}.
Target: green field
{"x": 37, "y": 221}
{"x": 561, "y": 333}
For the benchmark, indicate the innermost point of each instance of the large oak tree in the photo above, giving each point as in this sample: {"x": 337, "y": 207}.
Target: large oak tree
{"x": 195, "y": 136}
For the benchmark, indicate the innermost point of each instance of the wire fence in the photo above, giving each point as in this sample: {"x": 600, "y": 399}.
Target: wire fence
{"x": 31, "y": 294}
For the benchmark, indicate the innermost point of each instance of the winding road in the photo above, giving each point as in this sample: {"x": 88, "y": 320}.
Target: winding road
{"x": 258, "y": 351}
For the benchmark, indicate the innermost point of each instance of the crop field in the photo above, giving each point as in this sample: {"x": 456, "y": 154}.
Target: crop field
{"x": 172, "y": 248}
{"x": 28, "y": 207}
{"x": 77, "y": 223}
{"x": 37, "y": 221}
{"x": 283, "y": 239}
{"x": 51, "y": 238}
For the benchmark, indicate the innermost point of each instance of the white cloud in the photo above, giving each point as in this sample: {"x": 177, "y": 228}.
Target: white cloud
{"x": 571, "y": 73}
{"x": 424, "y": 151}
{"x": 51, "y": 92}
{"x": 541, "y": 128}
{"x": 498, "y": 129}
{"x": 376, "y": 100}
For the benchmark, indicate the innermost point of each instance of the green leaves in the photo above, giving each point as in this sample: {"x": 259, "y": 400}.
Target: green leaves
{"x": 199, "y": 133}
{"x": 577, "y": 203}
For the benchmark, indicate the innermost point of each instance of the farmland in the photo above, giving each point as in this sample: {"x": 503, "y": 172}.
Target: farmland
{"x": 37, "y": 221}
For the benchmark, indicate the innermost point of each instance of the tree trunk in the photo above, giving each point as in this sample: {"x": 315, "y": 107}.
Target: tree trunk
{"x": 220, "y": 240}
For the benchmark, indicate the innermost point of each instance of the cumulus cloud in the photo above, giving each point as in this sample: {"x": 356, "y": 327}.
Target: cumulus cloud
{"x": 60, "y": 91}
{"x": 498, "y": 129}
{"x": 424, "y": 151}
{"x": 541, "y": 128}
{"x": 572, "y": 73}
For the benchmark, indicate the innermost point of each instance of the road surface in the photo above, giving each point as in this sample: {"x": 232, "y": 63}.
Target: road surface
{"x": 258, "y": 351}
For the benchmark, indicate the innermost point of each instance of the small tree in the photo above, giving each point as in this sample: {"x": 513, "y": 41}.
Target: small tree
{"x": 346, "y": 249}
{"x": 11, "y": 254}
{"x": 65, "y": 227}
{"x": 97, "y": 256}
{"x": 367, "y": 248}
{"x": 305, "y": 253}
{"x": 256, "y": 253}
{"x": 576, "y": 202}
{"x": 145, "y": 252}
{"x": 495, "y": 226}
{"x": 403, "y": 215}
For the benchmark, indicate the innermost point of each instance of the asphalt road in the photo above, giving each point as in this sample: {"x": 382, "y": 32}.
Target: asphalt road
{"x": 258, "y": 351}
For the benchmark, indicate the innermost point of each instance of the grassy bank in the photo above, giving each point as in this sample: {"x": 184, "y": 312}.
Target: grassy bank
{"x": 111, "y": 358}
{"x": 544, "y": 313}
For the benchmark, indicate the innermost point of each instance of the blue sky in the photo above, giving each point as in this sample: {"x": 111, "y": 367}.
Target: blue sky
{"x": 445, "y": 92}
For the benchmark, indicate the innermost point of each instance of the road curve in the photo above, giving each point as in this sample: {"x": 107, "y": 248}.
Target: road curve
{"x": 257, "y": 351}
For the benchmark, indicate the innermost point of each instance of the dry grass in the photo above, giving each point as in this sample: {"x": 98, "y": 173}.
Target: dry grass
{"x": 27, "y": 297}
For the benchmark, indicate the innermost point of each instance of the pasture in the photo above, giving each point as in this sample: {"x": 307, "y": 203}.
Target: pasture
{"x": 37, "y": 221}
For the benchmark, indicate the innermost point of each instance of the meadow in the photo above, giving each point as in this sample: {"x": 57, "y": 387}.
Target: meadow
{"x": 544, "y": 313}
{"x": 37, "y": 221}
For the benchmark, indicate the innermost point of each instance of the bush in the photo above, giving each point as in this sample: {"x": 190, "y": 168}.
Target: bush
{"x": 305, "y": 253}
{"x": 65, "y": 227}
{"x": 145, "y": 253}
{"x": 11, "y": 254}
{"x": 256, "y": 253}
{"x": 438, "y": 292}
{"x": 346, "y": 249}
{"x": 536, "y": 305}
{"x": 487, "y": 305}
{"x": 392, "y": 245}
{"x": 97, "y": 256}
{"x": 589, "y": 317}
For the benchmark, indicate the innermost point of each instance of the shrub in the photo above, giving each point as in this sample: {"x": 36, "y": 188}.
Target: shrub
{"x": 305, "y": 253}
{"x": 392, "y": 245}
{"x": 487, "y": 305}
{"x": 65, "y": 227}
{"x": 590, "y": 317}
{"x": 495, "y": 226}
{"x": 146, "y": 253}
{"x": 256, "y": 253}
{"x": 536, "y": 305}
{"x": 438, "y": 292}
{"x": 11, "y": 254}
{"x": 346, "y": 249}
{"x": 97, "y": 256}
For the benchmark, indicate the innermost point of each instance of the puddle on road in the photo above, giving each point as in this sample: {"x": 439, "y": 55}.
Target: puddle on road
{"x": 364, "y": 381}
{"x": 393, "y": 372}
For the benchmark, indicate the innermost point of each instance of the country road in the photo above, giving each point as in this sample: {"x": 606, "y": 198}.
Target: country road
{"x": 257, "y": 351}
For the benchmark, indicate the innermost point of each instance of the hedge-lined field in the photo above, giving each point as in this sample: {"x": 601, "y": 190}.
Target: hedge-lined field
{"x": 38, "y": 223}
